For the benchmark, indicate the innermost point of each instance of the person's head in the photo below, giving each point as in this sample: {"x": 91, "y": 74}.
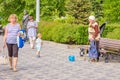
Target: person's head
{"x": 39, "y": 35}
{"x": 25, "y": 12}
{"x": 13, "y": 18}
{"x": 91, "y": 19}
{"x": 31, "y": 18}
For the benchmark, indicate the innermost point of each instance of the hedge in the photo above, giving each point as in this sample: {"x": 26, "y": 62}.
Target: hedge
{"x": 71, "y": 33}
{"x": 112, "y": 31}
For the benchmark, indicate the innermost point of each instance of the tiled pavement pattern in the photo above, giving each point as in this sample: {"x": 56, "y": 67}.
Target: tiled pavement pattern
{"x": 54, "y": 65}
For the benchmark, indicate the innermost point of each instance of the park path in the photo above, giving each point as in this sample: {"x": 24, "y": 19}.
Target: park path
{"x": 54, "y": 65}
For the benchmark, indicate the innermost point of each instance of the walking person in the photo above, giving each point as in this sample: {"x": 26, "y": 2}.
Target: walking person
{"x": 39, "y": 44}
{"x": 32, "y": 31}
{"x": 25, "y": 22}
{"x": 10, "y": 40}
{"x": 94, "y": 37}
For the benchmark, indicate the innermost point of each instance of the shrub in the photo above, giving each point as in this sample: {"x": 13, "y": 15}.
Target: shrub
{"x": 64, "y": 33}
{"x": 112, "y": 31}
{"x": 73, "y": 34}
{"x": 114, "y": 34}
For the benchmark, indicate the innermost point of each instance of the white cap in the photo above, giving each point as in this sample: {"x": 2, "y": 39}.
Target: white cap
{"x": 92, "y": 17}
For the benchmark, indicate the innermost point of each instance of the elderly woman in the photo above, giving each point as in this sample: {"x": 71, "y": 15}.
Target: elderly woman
{"x": 94, "y": 36}
{"x": 10, "y": 39}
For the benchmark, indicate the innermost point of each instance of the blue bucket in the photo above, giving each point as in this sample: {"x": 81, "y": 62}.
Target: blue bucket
{"x": 71, "y": 58}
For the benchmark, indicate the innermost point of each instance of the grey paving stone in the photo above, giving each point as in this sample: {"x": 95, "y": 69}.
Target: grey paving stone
{"x": 54, "y": 65}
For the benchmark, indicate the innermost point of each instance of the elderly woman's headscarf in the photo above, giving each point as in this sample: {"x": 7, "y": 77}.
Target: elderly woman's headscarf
{"x": 92, "y": 18}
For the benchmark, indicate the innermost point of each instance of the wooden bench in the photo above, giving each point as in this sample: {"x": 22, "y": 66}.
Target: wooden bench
{"x": 109, "y": 46}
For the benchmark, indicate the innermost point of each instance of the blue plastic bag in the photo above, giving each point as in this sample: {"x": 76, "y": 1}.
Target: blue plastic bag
{"x": 21, "y": 39}
{"x": 71, "y": 58}
{"x": 20, "y": 42}
{"x": 93, "y": 53}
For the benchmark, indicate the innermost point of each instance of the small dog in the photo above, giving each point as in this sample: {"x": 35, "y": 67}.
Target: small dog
{"x": 82, "y": 52}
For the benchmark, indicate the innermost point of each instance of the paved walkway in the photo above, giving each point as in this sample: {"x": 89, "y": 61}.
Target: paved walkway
{"x": 54, "y": 65}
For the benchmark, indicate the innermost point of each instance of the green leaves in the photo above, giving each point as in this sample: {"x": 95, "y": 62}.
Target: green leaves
{"x": 79, "y": 9}
{"x": 75, "y": 11}
{"x": 97, "y": 9}
{"x": 112, "y": 10}
{"x": 52, "y": 8}
{"x": 64, "y": 32}
{"x": 9, "y": 7}
{"x": 48, "y": 8}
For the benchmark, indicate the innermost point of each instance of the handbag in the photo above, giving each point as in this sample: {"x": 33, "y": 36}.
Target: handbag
{"x": 93, "y": 53}
{"x": 3, "y": 58}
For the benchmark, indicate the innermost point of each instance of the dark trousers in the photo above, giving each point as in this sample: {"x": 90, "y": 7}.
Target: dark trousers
{"x": 12, "y": 50}
{"x": 97, "y": 46}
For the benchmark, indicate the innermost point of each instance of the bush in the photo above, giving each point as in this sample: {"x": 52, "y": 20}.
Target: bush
{"x": 115, "y": 34}
{"x": 66, "y": 19}
{"x": 112, "y": 31}
{"x": 64, "y": 33}
{"x": 73, "y": 34}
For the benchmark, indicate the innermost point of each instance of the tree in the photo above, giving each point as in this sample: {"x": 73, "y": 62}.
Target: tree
{"x": 97, "y": 8}
{"x": 10, "y": 6}
{"x": 80, "y": 10}
{"x": 49, "y": 8}
{"x": 112, "y": 10}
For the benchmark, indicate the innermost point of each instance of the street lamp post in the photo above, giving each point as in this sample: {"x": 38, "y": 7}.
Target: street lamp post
{"x": 37, "y": 10}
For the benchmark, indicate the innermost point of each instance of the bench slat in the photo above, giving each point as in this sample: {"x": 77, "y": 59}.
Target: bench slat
{"x": 110, "y": 44}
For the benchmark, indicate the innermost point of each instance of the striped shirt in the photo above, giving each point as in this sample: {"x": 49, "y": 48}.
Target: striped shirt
{"x": 12, "y": 33}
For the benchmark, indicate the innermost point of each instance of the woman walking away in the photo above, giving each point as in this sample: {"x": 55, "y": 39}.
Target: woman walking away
{"x": 94, "y": 36}
{"x": 32, "y": 31}
{"x": 10, "y": 39}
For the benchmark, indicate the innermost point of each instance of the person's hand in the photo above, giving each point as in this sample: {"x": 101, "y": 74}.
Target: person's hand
{"x": 4, "y": 45}
{"x": 90, "y": 24}
{"x": 91, "y": 39}
{"x": 18, "y": 34}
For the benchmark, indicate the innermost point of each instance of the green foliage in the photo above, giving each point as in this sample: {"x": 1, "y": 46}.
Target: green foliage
{"x": 48, "y": 8}
{"x": 52, "y": 8}
{"x": 80, "y": 10}
{"x": 64, "y": 33}
{"x": 67, "y": 19}
{"x": 114, "y": 34}
{"x": 107, "y": 30}
{"x": 112, "y": 10}
{"x": 73, "y": 34}
{"x": 97, "y": 8}
{"x": 9, "y": 7}
{"x": 112, "y": 31}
